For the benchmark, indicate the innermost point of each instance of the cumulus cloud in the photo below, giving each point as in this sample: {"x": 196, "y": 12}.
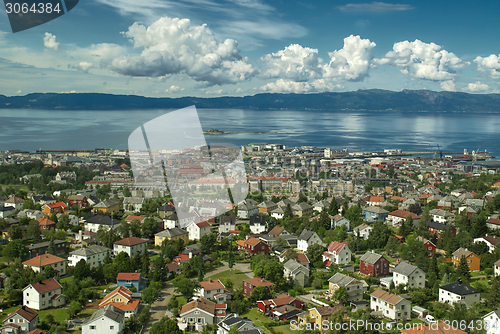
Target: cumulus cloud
{"x": 423, "y": 60}
{"x": 49, "y": 41}
{"x": 374, "y": 7}
{"x": 477, "y": 87}
{"x": 295, "y": 62}
{"x": 83, "y": 66}
{"x": 353, "y": 61}
{"x": 490, "y": 65}
{"x": 174, "y": 89}
{"x": 448, "y": 86}
{"x": 173, "y": 46}
{"x": 289, "y": 86}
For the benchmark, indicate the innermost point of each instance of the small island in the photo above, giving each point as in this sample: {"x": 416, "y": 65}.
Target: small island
{"x": 214, "y": 132}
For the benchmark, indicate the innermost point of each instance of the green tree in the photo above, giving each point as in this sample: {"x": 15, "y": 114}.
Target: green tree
{"x": 149, "y": 295}
{"x": 49, "y": 272}
{"x": 135, "y": 228}
{"x": 493, "y": 297}
{"x": 82, "y": 270}
{"x": 208, "y": 243}
{"x": 15, "y": 232}
{"x": 185, "y": 287}
{"x": 149, "y": 227}
{"x": 463, "y": 270}
{"x": 287, "y": 214}
{"x": 259, "y": 293}
{"x": 379, "y": 235}
{"x": 74, "y": 308}
{"x": 165, "y": 326}
{"x": 15, "y": 249}
{"x": 124, "y": 229}
{"x": 126, "y": 192}
{"x": 314, "y": 253}
{"x": 51, "y": 249}
{"x": 341, "y": 295}
{"x": 333, "y": 209}
{"x": 201, "y": 269}
{"x": 392, "y": 245}
{"x": 406, "y": 227}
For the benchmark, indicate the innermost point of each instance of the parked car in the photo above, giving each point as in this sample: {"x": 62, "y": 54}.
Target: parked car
{"x": 430, "y": 318}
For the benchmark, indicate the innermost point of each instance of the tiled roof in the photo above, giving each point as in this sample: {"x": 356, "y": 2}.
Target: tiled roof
{"x": 493, "y": 221}
{"x": 404, "y": 214}
{"x": 276, "y": 231}
{"x": 46, "y": 286}
{"x": 56, "y": 205}
{"x": 43, "y": 260}
{"x": 404, "y": 268}
{"x": 172, "y": 266}
{"x": 252, "y": 241}
{"x": 329, "y": 310}
{"x": 132, "y": 217}
{"x": 128, "y": 276}
{"x": 171, "y": 232}
{"x": 462, "y": 252}
{"x": 129, "y": 306}
{"x": 200, "y": 303}
{"x": 45, "y": 221}
{"x": 336, "y": 246}
{"x": 203, "y": 224}
{"x": 131, "y": 241}
{"x": 25, "y": 312}
{"x": 119, "y": 290}
{"x": 258, "y": 281}
{"x": 107, "y": 203}
{"x": 212, "y": 284}
{"x": 342, "y": 280}
{"x": 386, "y": 296}
{"x": 90, "y": 250}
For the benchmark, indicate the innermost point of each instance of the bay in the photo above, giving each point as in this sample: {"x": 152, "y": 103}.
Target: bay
{"x": 32, "y": 129}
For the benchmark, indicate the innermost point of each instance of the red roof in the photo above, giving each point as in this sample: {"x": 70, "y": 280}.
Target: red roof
{"x": 257, "y": 281}
{"x": 46, "y": 286}
{"x": 25, "y": 312}
{"x": 56, "y": 205}
{"x": 493, "y": 221}
{"x": 128, "y": 276}
{"x": 129, "y": 306}
{"x": 403, "y": 214}
{"x": 139, "y": 218}
{"x": 212, "y": 284}
{"x": 45, "y": 222}
{"x": 43, "y": 260}
{"x": 131, "y": 241}
{"x": 336, "y": 246}
{"x": 119, "y": 290}
{"x": 203, "y": 224}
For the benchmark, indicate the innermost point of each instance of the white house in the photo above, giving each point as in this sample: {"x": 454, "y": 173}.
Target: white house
{"x": 227, "y": 223}
{"x": 131, "y": 246}
{"x": 31, "y": 214}
{"x": 213, "y": 289}
{"x": 106, "y": 320}
{"x": 391, "y": 306}
{"x": 496, "y": 268}
{"x": 489, "y": 240}
{"x": 197, "y": 230}
{"x": 458, "y": 292}
{"x": 353, "y": 286}
{"x": 133, "y": 204}
{"x": 493, "y": 321}
{"x": 337, "y": 253}
{"x": 363, "y": 231}
{"x": 308, "y": 238}
{"x": 396, "y": 217}
{"x": 93, "y": 255}
{"x": 243, "y": 325}
{"x": 39, "y": 262}
{"x": 408, "y": 274}
{"x": 43, "y": 294}
{"x": 257, "y": 224}
{"x": 322, "y": 205}
{"x": 247, "y": 209}
{"x": 171, "y": 221}
{"x": 441, "y": 216}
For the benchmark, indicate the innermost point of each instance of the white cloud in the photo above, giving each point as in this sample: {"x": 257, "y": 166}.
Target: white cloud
{"x": 374, "y": 7}
{"x": 49, "y": 41}
{"x": 174, "y": 89}
{"x": 490, "y": 65}
{"x": 289, "y": 86}
{"x": 214, "y": 92}
{"x": 353, "y": 61}
{"x": 477, "y": 87}
{"x": 83, "y": 66}
{"x": 295, "y": 62}
{"x": 173, "y": 46}
{"x": 423, "y": 60}
{"x": 19, "y": 92}
{"x": 448, "y": 86}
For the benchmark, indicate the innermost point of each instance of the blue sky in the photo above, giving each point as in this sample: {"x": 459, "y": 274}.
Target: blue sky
{"x": 244, "y": 47}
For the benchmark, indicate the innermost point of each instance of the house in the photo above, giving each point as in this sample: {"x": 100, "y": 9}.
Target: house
{"x": 296, "y": 273}
{"x": 390, "y": 305}
{"x": 242, "y": 325}
{"x": 42, "y": 248}
{"x": 133, "y": 204}
{"x": 396, "y": 217}
{"x": 458, "y": 292}
{"x": 42, "y": 199}
{"x": 284, "y": 299}
{"x": 253, "y": 246}
{"x": 14, "y": 202}
{"x": 173, "y": 269}
{"x": 374, "y": 200}
{"x": 374, "y": 213}
{"x": 302, "y": 209}
{"x": 108, "y": 205}
{"x": 130, "y": 245}
{"x": 171, "y": 221}
{"x": 247, "y": 209}
{"x": 6, "y": 211}
{"x": 46, "y": 224}
{"x": 93, "y": 255}
{"x": 30, "y": 214}
{"x": 493, "y": 223}
{"x": 442, "y": 216}
{"x": 321, "y": 205}
{"x": 187, "y": 254}
{"x": 308, "y": 238}
{"x": 250, "y": 283}
{"x": 131, "y": 280}
{"x": 78, "y": 200}
{"x": 496, "y": 268}
{"x": 409, "y": 275}
{"x": 473, "y": 261}
{"x": 492, "y": 318}
{"x": 54, "y": 208}
{"x": 374, "y": 264}
{"x": 106, "y": 320}
{"x": 278, "y": 231}
{"x": 38, "y": 263}
{"x": 489, "y": 240}
{"x": 257, "y": 224}
{"x": 171, "y": 234}
{"x": 166, "y": 209}
{"x": 66, "y": 176}
{"x": 121, "y": 298}
{"x": 338, "y": 221}
{"x": 227, "y": 223}
{"x": 301, "y": 258}
{"x": 213, "y": 289}
{"x": 21, "y": 321}
{"x": 267, "y": 207}
{"x": 94, "y": 222}
{"x": 200, "y": 312}
{"x": 278, "y": 213}
{"x": 197, "y": 230}
{"x": 429, "y": 245}
{"x": 439, "y": 229}
{"x": 314, "y": 318}
{"x": 73, "y": 219}
{"x": 363, "y": 231}
{"x": 337, "y": 253}
{"x": 354, "y": 287}
{"x": 44, "y": 294}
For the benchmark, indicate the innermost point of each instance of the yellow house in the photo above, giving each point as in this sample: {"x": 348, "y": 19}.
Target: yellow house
{"x": 171, "y": 234}
{"x": 318, "y": 318}
{"x": 108, "y": 205}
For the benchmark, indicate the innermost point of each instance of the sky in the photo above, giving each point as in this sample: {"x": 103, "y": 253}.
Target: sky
{"x": 208, "y": 48}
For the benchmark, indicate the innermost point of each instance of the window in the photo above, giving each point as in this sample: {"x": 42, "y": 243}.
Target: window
{"x": 92, "y": 327}
{"x": 27, "y": 294}
{"x": 111, "y": 327}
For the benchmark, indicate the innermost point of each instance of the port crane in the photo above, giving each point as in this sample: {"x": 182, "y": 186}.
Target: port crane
{"x": 439, "y": 151}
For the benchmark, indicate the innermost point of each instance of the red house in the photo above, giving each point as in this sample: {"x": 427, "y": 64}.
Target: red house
{"x": 429, "y": 245}
{"x": 281, "y": 300}
{"x": 250, "y": 283}
{"x": 374, "y": 264}
{"x": 252, "y": 246}
{"x": 46, "y": 224}
{"x": 80, "y": 200}
{"x": 439, "y": 229}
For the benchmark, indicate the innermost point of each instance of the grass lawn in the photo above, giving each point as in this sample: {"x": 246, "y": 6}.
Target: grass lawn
{"x": 284, "y": 329}
{"x": 477, "y": 273}
{"x": 60, "y": 314}
{"x": 258, "y": 318}
{"x": 234, "y": 275}
{"x": 16, "y": 186}
{"x": 7, "y": 311}
{"x": 181, "y": 301}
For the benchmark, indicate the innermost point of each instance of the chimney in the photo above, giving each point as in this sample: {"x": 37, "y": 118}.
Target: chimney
{"x": 262, "y": 280}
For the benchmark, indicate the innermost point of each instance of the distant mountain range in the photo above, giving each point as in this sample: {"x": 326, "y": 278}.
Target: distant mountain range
{"x": 370, "y": 100}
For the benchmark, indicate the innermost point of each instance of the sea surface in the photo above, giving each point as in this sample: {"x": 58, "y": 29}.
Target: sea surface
{"x": 32, "y": 129}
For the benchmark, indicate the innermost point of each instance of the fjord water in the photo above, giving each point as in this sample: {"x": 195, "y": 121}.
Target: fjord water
{"x": 31, "y": 129}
